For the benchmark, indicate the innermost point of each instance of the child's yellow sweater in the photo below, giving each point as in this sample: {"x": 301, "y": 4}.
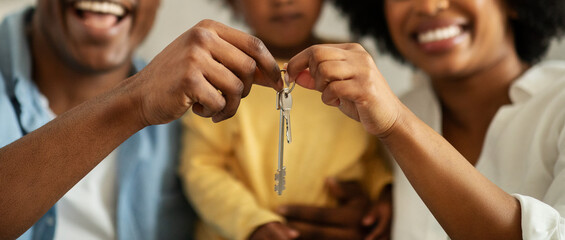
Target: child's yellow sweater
{"x": 228, "y": 168}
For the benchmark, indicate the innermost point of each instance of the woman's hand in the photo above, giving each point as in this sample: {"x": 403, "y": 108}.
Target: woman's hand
{"x": 348, "y": 79}
{"x": 355, "y": 217}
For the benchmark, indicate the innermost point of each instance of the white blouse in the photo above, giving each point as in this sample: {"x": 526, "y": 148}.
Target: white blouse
{"x": 523, "y": 153}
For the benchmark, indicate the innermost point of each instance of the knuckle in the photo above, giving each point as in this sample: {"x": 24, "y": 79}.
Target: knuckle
{"x": 217, "y": 106}
{"x": 191, "y": 78}
{"x": 355, "y": 46}
{"x": 207, "y": 23}
{"x": 366, "y": 57}
{"x": 233, "y": 88}
{"x": 249, "y": 67}
{"x": 201, "y": 36}
{"x": 256, "y": 45}
{"x": 238, "y": 87}
{"x": 325, "y": 70}
{"x": 317, "y": 52}
{"x": 193, "y": 55}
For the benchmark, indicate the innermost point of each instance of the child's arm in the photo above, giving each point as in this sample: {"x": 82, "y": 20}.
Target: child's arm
{"x": 221, "y": 200}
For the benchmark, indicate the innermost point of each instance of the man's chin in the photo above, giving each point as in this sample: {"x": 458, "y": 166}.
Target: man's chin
{"x": 101, "y": 67}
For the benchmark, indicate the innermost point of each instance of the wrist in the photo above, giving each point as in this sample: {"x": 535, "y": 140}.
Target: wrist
{"x": 397, "y": 123}
{"x": 127, "y": 101}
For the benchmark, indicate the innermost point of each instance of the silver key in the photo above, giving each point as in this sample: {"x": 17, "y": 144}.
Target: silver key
{"x": 286, "y": 105}
{"x": 281, "y": 170}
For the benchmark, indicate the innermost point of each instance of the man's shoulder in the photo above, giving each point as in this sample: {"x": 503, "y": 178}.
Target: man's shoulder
{"x": 8, "y": 122}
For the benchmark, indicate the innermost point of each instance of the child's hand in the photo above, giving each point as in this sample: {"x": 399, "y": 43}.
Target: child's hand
{"x": 273, "y": 231}
{"x": 348, "y": 79}
{"x": 356, "y": 217}
{"x": 379, "y": 217}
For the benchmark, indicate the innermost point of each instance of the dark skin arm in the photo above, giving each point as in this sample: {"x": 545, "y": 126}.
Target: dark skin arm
{"x": 38, "y": 169}
{"x": 356, "y": 217}
{"x": 465, "y": 203}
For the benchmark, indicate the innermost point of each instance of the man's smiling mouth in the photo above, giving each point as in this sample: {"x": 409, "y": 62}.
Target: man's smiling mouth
{"x": 100, "y": 14}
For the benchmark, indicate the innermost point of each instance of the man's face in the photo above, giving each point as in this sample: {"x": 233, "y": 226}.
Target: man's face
{"x": 95, "y": 35}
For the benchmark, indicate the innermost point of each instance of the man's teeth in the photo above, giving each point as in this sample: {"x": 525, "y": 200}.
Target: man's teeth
{"x": 101, "y": 7}
{"x": 439, "y": 34}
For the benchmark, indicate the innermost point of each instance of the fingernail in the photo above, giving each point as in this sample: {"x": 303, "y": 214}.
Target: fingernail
{"x": 285, "y": 65}
{"x": 286, "y": 80}
{"x": 293, "y": 233}
{"x": 282, "y": 210}
{"x": 368, "y": 221}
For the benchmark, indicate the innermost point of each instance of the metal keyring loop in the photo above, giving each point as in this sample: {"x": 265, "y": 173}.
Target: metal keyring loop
{"x": 284, "y": 72}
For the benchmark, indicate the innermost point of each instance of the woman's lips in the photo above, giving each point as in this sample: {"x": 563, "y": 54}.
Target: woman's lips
{"x": 440, "y": 38}
{"x": 439, "y": 34}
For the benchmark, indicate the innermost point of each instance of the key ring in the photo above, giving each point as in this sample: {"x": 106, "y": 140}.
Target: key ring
{"x": 283, "y": 73}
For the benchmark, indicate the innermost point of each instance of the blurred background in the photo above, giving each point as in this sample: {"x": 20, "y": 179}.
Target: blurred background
{"x": 176, "y": 16}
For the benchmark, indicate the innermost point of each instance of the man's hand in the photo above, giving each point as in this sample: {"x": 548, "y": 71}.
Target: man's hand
{"x": 354, "y": 218}
{"x": 210, "y": 68}
{"x": 274, "y": 231}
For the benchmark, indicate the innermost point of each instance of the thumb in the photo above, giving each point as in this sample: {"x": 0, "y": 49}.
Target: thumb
{"x": 372, "y": 216}
{"x": 380, "y": 220}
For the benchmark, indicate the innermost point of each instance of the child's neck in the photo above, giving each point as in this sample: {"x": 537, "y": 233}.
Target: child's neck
{"x": 287, "y": 52}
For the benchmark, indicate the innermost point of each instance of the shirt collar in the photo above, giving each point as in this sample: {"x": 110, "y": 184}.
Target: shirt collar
{"x": 535, "y": 80}
{"x": 16, "y": 63}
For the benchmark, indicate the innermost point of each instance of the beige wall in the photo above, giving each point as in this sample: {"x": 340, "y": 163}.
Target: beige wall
{"x": 176, "y": 16}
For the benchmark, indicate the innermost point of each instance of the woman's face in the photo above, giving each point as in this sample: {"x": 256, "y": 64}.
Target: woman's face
{"x": 280, "y": 23}
{"x": 450, "y": 38}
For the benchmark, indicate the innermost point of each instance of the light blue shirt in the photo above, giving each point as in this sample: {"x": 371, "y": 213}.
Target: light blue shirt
{"x": 150, "y": 200}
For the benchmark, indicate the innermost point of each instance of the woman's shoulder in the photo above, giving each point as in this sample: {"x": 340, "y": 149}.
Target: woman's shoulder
{"x": 542, "y": 80}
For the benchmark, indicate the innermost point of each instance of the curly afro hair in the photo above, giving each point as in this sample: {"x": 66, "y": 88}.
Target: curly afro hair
{"x": 537, "y": 23}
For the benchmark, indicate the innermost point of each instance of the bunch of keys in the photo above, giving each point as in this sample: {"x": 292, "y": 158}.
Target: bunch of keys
{"x": 284, "y": 104}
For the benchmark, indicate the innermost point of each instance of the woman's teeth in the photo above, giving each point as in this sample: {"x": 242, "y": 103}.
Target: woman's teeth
{"x": 439, "y": 34}
{"x": 101, "y": 7}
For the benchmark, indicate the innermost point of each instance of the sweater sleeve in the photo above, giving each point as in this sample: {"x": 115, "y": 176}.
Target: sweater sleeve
{"x": 221, "y": 200}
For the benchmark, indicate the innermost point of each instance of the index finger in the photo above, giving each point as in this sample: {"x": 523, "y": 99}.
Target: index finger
{"x": 256, "y": 49}
{"x": 305, "y": 65}
{"x": 299, "y": 64}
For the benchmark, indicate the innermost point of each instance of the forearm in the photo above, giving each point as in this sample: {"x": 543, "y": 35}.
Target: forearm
{"x": 38, "y": 169}
{"x": 465, "y": 203}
